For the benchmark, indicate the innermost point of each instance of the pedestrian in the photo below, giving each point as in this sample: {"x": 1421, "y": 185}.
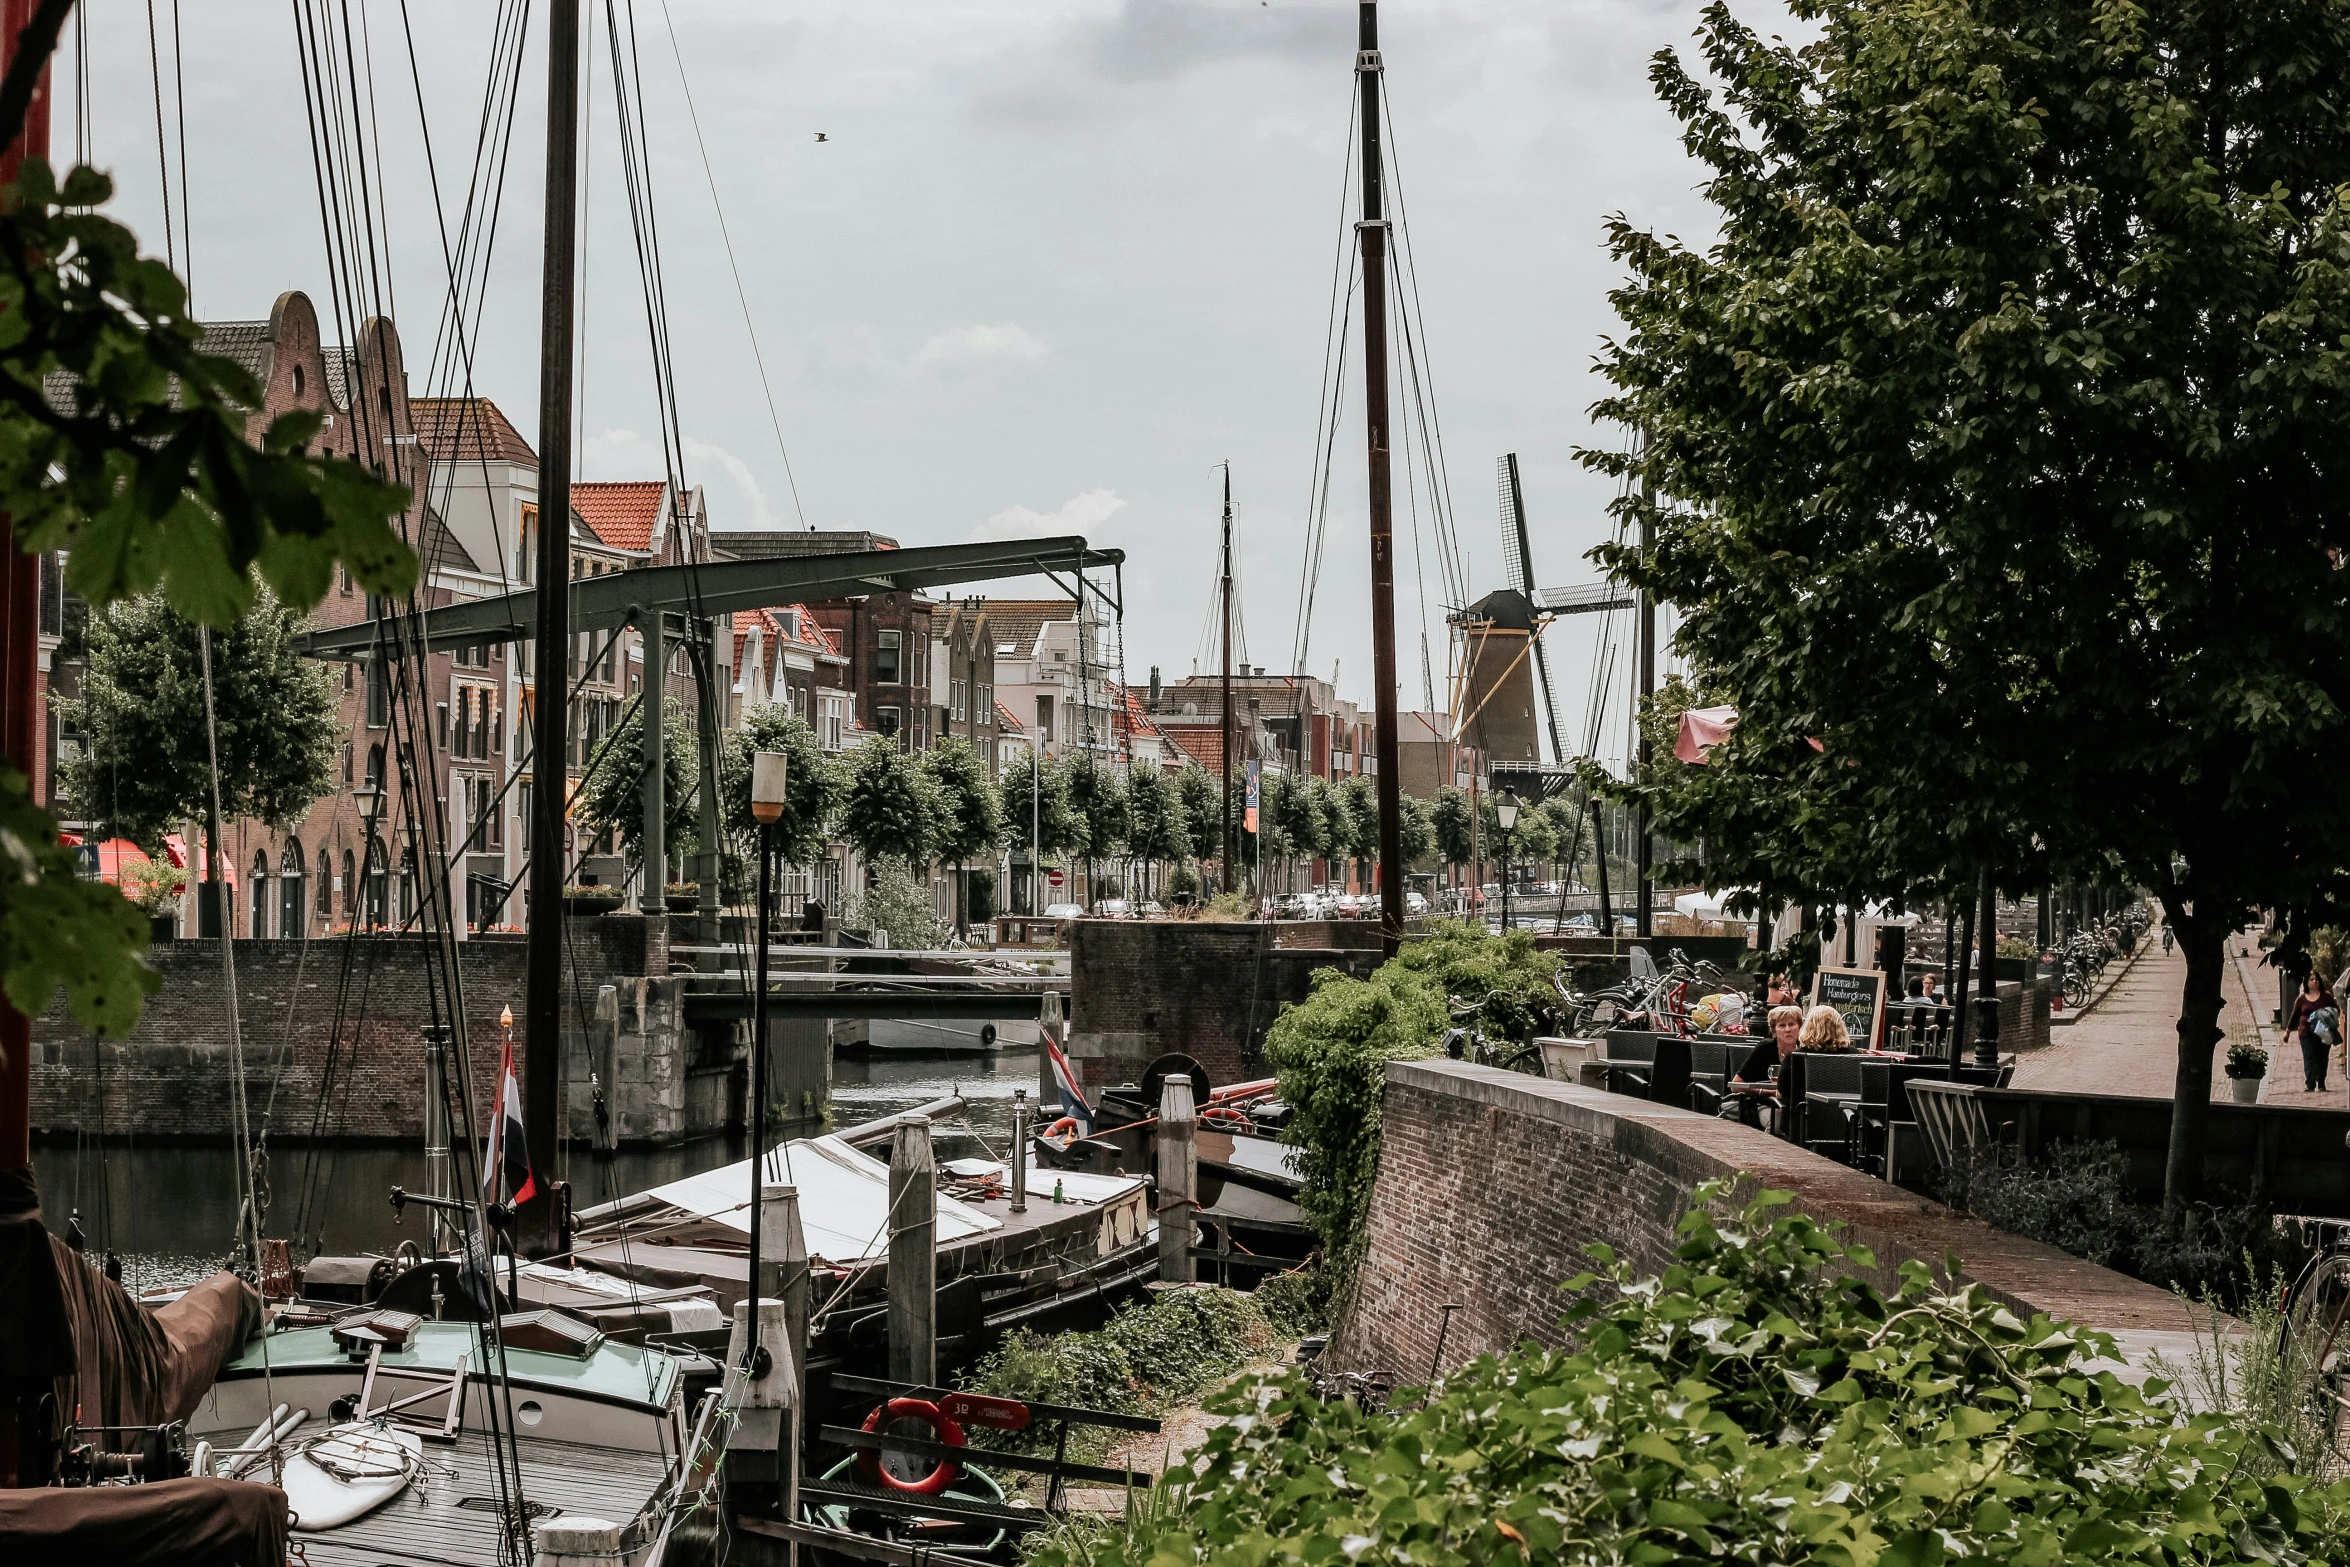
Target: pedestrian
{"x": 2167, "y": 938}
{"x": 2316, "y": 1023}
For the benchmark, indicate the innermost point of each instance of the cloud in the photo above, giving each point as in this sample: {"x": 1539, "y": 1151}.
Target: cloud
{"x": 979, "y": 347}
{"x": 1080, "y": 513}
{"x": 760, "y": 514}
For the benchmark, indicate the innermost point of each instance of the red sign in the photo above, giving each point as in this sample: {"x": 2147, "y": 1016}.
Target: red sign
{"x": 996, "y": 1414}
{"x": 1053, "y": 877}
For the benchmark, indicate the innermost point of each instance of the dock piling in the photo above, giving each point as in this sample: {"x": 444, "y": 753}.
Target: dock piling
{"x": 1019, "y": 1158}
{"x": 913, "y": 1255}
{"x": 1178, "y": 1177}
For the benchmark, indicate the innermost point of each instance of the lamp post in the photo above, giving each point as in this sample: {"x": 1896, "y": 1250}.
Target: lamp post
{"x": 1505, "y": 814}
{"x": 768, "y": 774}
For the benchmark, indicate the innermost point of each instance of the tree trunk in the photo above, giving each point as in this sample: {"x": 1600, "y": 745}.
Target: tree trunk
{"x": 2203, "y": 940}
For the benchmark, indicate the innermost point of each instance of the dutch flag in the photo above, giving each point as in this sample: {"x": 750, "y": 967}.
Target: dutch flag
{"x": 1073, "y": 1102}
{"x": 509, "y": 1156}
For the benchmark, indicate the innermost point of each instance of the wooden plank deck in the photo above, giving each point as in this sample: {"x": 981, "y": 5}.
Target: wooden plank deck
{"x": 429, "y": 1523}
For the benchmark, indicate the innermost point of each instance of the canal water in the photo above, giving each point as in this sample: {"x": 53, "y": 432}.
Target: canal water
{"x": 171, "y": 1211}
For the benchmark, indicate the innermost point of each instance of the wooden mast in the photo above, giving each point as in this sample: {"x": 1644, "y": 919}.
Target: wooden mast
{"x": 1372, "y": 231}
{"x": 543, "y": 999}
{"x": 1231, "y": 839}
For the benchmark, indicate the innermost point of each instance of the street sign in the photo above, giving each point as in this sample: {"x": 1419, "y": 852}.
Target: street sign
{"x": 1053, "y": 877}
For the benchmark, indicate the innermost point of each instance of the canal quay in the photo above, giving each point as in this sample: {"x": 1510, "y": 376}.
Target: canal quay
{"x": 734, "y": 837}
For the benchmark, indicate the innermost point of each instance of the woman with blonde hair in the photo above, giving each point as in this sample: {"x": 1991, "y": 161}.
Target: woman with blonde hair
{"x": 1824, "y": 1030}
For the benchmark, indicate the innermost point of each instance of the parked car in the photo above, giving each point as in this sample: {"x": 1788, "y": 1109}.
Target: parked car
{"x": 1113, "y": 909}
{"x": 1064, "y": 911}
{"x": 1149, "y": 909}
{"x": 1414, "y": 904}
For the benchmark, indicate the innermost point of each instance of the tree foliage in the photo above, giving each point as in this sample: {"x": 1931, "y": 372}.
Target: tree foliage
{"x": 1756, "y": 1402}
{"x": 890, "y": 810}
{"x": 1157, "y": 827}
{"x": 1097, "y": 805}
{"x": 1994, "y": 453}
{"x": 145, "y": 766}
{"x": 1035, "y": 799}
{"x": 1450, "y": 821}
{"x": 612, "y": 788}
{"x": 1202, "y": 796}
{"x": 814, "y": 784}
{"x": 969, "y": 819}
{"x": 1417, "y": 830}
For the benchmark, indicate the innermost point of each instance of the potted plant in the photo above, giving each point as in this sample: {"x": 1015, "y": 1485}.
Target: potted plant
{"x": 591, "y": 899}
{"x": 2247, "y": 1065}
{"x": 156, "y": 887}
{"x": 682, "y": 897}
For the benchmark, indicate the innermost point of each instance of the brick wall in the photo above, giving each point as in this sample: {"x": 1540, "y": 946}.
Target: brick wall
{"x": 1491, "y": 1184}
{"x": 170, "y": 1079}
{"x": 1210, "y": 989}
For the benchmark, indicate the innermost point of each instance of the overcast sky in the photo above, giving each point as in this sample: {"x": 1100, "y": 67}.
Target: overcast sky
{"x": 1050, "y": 265}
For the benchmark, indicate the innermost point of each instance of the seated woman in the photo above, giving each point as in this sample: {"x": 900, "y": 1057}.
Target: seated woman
{"x": 1824, "y": 1030}
{"x": 1755, "y": 1076}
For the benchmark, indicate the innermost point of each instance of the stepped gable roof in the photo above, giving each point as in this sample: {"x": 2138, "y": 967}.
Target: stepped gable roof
{"x": 467, "y": 429}
{"x": 623, "y": 513}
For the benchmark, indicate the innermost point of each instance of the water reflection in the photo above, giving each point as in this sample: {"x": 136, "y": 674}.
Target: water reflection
{"x": 172, "y": 1211}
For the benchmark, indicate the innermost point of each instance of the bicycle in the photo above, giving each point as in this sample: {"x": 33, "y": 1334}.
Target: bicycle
{"x": 1466, "y": 1041}
{"x": 2313, "y": 1332}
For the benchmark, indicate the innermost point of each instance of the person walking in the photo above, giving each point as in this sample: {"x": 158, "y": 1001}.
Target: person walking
{"x": 2167, "y": 938}
{"x": 2315, "y": 1023}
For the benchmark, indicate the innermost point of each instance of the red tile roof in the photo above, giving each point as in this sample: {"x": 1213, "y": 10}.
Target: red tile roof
{"x": 623, "y": 513}
{"x": 468, "y": 429}
{"x": 1006, "y": 723}
{"x": 1204, "y": 744}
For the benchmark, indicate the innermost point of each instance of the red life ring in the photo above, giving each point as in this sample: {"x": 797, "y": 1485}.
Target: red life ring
{"x": 1225, "y": 1115}
{"x": 873, "y": 1471}
{"x": 1066, "y": 1126}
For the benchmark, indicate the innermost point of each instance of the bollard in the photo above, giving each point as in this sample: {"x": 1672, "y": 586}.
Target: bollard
{"x": 576, "y": 1540}
{"x": 913, "y": 1255}
{"x": 1178, "y": 1177}
{"x": 1048, "y": 1028}
{"x": 761, "y": 1390}
{"x": 783, "y": 1249}
{"x": 1019, "y": 1150}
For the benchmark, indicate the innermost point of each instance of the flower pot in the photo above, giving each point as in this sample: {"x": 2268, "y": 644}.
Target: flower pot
{"x": 2247, "y": 1089}
{"x": 163, "y": 928}
{"x": 580, "y": 905}
{"x": 682, "y": 902}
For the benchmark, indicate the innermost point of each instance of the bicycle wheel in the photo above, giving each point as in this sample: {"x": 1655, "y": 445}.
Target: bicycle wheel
{"x": 2313, "y": 1351}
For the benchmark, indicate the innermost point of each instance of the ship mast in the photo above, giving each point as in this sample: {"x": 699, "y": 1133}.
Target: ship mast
{"x": 1224, "y": 589}
{"x": 543, "y": 997}
{"x": 1372, "y": 231}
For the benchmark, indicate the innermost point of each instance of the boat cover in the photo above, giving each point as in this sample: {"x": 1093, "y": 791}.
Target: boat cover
{"x": 173, "y": 1523}
{"x": 844, "y": 1200}
{"x": 113, "y": 1361}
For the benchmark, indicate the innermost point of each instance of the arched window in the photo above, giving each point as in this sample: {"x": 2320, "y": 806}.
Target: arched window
{"x": 350, "y": 891}
{"x": 258, "y": 894}
{"x": 326, "y": 882}
{"x": 292, "y": 907}
{"x": 407, "y": 885}
{"x": 379, "y": 884}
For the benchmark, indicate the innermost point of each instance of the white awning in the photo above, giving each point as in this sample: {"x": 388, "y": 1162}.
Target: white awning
{"x": 844, "y": 1200}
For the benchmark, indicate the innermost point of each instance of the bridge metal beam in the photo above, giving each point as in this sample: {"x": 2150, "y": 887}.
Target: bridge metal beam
{"x": 719, "y": 587}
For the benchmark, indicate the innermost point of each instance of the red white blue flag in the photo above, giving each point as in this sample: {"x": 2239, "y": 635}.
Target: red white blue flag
{"x": 1073, "y": 1102}
{"x": 1249, "y": 818}
{"x": 508, "y": 1164}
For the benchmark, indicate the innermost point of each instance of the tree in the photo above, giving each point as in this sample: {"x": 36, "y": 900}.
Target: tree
{"x": 612, "y": 789}
{"x": 1298, "y": 818}
{"x": 814, "y": 785}
{"x": 1450, "y": 821}
{"x": 1157, "y": 828}
{"x": 969, "y": 819}
{"x": 1417, "y": 831}
{"x": 1358, "y": 797}
{"x": 1202, "y": 795}
{"x": 1097, "y": 807}
{"x": 1993, "y": 455}
{"x": 890, "y": 809}
{"x": 1035, "y": 799}
{"x": 146, "y": 766}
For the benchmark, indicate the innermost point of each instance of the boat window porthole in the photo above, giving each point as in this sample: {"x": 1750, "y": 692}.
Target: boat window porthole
{"x": 530, "y": 1411}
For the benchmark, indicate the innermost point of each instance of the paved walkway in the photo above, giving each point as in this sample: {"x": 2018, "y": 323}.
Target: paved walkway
{"x": 2128, "y": 1043}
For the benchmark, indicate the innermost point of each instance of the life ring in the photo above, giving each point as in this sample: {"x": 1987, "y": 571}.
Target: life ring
{"x": 1066, "y": 1126}
{"x": 873, "y": 1471}
{"x": 1226, "y": 1116}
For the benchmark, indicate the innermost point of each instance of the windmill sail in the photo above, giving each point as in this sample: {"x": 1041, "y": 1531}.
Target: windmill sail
{"x": 1517, "y": 559}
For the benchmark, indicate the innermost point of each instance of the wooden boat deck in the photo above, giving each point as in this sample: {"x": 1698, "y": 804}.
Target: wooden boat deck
{"x": 451, "y": 1515}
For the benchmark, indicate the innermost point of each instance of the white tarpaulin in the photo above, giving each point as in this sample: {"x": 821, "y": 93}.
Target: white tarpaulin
{"x": 844, "y": 1200}
{"x": 1706, "y": 905}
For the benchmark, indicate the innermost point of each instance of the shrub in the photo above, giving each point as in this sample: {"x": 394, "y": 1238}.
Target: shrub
{"x": 1756, "y": 1403}
{"x": 1296, "y": 1303}
{"x": 154, "y": 885}
{"x": 899, "y": 904}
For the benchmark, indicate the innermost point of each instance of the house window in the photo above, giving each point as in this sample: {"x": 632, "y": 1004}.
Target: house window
{"x": 611, "y": 651}
{"x": 832, "y": 722}
{"x": 1044, "y": 718}
{"x": 522, "y": 817}
{"x": 885, "y": 661}
{"x": 442, "y": 710}
{"x": 375, "y": 767}
{"x": 987, "y": 704}
{"x": 885, "y": 721}
{"x": 956, "y": 692}
{"x": 379, "y": 697}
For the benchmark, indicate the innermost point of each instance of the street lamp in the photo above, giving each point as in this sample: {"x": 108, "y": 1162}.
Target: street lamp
{"x": 768, "y": 771}
{"x": 1505, "y": 812}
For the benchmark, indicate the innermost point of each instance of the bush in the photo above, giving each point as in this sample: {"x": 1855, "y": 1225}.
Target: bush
{"x": 1756, "y": 1403}
{"x": 2078, "y": 1200}
{"x": 1148, "y": 1356}
{"x": 1296, "y": 1303}
{"x": 156, "y": 886}
{"x": 899, "y": 904}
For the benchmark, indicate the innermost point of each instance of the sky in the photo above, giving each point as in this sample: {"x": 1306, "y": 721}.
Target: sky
{"x": 1050, "y": 264}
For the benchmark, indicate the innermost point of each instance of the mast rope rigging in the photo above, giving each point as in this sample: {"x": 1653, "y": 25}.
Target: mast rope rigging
{"x": 1329, "y": 396}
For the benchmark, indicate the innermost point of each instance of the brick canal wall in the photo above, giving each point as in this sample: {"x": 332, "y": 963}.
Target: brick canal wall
{"x": 1143, "y": 988}
{"x": 1491, "y": 1183}
{"x": 170, "y": 1079}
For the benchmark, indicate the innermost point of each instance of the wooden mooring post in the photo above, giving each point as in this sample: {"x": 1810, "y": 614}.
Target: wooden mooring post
{"x": 1178, "y": 1177}
{"x": 913, "y": 1255}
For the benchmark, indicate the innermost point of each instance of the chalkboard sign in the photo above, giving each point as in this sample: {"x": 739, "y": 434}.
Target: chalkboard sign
{"x": 1857, "y": 994}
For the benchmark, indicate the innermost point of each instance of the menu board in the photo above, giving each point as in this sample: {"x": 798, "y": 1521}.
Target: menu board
{"x": 1859, "y": 995}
